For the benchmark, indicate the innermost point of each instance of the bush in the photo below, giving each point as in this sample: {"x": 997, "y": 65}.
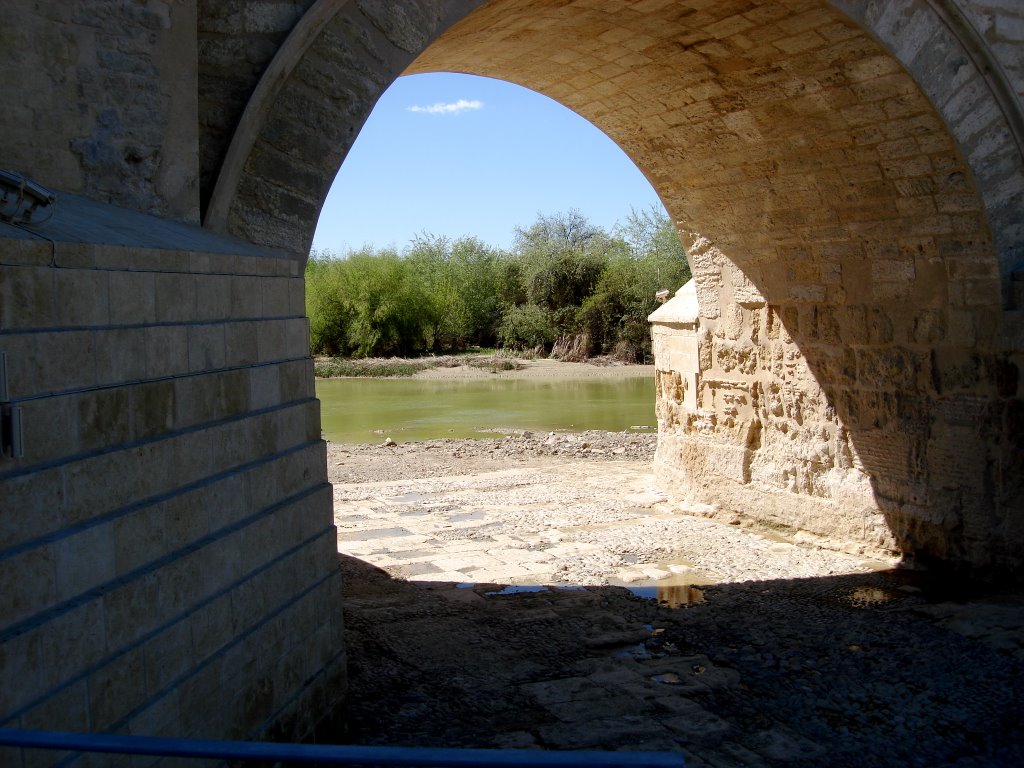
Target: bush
{"x": 525, "y": 327}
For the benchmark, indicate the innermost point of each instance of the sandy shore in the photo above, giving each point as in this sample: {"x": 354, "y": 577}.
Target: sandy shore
{"x": 543, "y": 369}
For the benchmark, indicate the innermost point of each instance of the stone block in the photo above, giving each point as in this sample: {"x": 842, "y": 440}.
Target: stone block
{"x": 116, "y": 689}
{"x": 84, "y": 560}
{"x": 33, "y": 506}
{"x": 47, "y": 362}
{"x": 109, "y": 481}
{"x": 194, "y": 455}
{"x": 206, "y": 349}
{"x": 234, "y": 393}
{"x": 276, "y": 295}
{"x": 241, "y": 343}
{"x": 73, "y": 641}
{"x": 81, "y": 298}
{"x": 273, "y": 340}
{"x": 160, "y": 717}
{"x": 297, "y": 382}
{"x": 196, "y": 400}
{"x": 265, "y": 386}
{"x": 201, "y": 698}
{"x": 166, "y": 351}
{"x": 132, "y": 298}
{"x": 132, "y": 610}
{"x": 139, "y": 538}
{"x": 186, "y": 519}
{"x": 50, "y": 429}
{"x": 28, "y": 584}
{"x": 213, "y": 297}
{"x": 26, "y": 297}
{"x": 168, "y": 656}
{"x": 104, "y": 418}
{"x": 152, "y": 408}
{"x": 67, "y": 709}
{"x": 246, "y": 297}
{"x": 297, "y": 296}
{"x": 175, "y": 297}
{"x": 210, "y": 632}
{"x": 122, "y": 355}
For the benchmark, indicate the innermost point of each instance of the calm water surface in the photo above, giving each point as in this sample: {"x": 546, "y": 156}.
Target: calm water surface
{"x": 367, "y": 410}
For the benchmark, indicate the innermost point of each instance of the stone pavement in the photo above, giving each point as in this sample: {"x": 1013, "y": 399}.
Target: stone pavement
{"x": 833, "y": 663}
{"x": 568, "y": 522}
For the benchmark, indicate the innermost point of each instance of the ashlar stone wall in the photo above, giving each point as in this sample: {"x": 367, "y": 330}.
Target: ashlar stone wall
{"x": 168, "y": 560}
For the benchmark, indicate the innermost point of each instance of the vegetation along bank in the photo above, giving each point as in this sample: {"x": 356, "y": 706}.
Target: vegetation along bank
{"x": 566, "y": 288}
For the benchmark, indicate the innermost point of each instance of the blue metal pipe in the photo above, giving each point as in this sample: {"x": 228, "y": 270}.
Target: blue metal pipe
{"x": 333, "y": 754}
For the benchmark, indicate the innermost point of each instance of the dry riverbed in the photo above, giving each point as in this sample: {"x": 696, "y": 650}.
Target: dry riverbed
{"x": 562, "y": 508}
{"x": 540, "y": 591}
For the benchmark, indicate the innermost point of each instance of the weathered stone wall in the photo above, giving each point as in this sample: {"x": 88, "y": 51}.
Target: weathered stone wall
{"x": 100, "y": 98}
{"x": 304, "y": 113}
{"x": 168, "y": 559}
{"x": 868, "y": 388}
{"x": 237, "y": 41}
{"x": 1001, "y": 25}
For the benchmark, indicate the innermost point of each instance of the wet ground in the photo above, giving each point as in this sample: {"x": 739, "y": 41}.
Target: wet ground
{"x": 859, "y": 666}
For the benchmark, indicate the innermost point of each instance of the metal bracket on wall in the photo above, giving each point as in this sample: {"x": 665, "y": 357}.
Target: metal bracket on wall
{"x": 12, "y": 438}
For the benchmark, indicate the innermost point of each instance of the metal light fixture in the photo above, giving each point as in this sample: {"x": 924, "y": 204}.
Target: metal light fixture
{"x": 21, "y": 199}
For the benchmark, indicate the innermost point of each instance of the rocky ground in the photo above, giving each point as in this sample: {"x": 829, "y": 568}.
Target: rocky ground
{"x": 633, "y": 624}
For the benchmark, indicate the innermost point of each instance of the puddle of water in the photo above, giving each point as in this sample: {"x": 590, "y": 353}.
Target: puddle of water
{"x": 515, "y": 589}
{"x": 378, "y": 533}
{"x": 638, "y": 652}
{"x": 464, "y": 517}
{"x": 868, "y": 597}
{"x": 669, "y": 678}
{"x": 407, "y": 497}
{"x": 670, "y": 595}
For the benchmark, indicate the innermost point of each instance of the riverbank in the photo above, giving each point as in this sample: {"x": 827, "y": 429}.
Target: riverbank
{"x": 477, "y": 366}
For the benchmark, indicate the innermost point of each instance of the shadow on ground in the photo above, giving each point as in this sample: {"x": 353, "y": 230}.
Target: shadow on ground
{"x": 871, "y": 669}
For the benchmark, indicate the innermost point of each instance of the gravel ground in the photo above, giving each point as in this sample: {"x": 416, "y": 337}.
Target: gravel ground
{"x": 753, "y": 650}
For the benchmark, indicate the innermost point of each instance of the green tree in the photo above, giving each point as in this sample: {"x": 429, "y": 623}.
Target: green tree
{"x": 460, "y": 278}
{"x": 387, "y": 310}
{"x": 563, "y": 256}
{"x": 324, "y": 305}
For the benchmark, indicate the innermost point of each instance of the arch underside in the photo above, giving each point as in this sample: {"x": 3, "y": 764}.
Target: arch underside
{"x": 850, "y": 245}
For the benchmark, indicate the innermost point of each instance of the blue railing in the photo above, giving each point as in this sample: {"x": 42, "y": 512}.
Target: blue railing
{"x": 333, "y": 754}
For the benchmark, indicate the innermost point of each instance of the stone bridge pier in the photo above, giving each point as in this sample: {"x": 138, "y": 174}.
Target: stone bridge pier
{"x": 848, "y": 178}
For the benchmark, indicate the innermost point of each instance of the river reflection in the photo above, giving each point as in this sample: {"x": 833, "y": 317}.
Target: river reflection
{"x": 368, "y": 410}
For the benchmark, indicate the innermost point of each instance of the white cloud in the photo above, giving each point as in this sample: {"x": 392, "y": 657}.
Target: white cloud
{"x": 451, "y": 108}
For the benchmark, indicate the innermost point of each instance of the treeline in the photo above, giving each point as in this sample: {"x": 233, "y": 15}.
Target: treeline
{"x": 566, "y": 288}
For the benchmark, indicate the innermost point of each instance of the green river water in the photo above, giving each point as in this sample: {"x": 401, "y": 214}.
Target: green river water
{"x": 368, "y": 410}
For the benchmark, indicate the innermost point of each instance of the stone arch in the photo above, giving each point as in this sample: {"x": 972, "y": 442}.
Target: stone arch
{"x": 846, "y": 177}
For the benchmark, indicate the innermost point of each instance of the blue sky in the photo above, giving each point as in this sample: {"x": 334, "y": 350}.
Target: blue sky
{"x": 463, "y": 155}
